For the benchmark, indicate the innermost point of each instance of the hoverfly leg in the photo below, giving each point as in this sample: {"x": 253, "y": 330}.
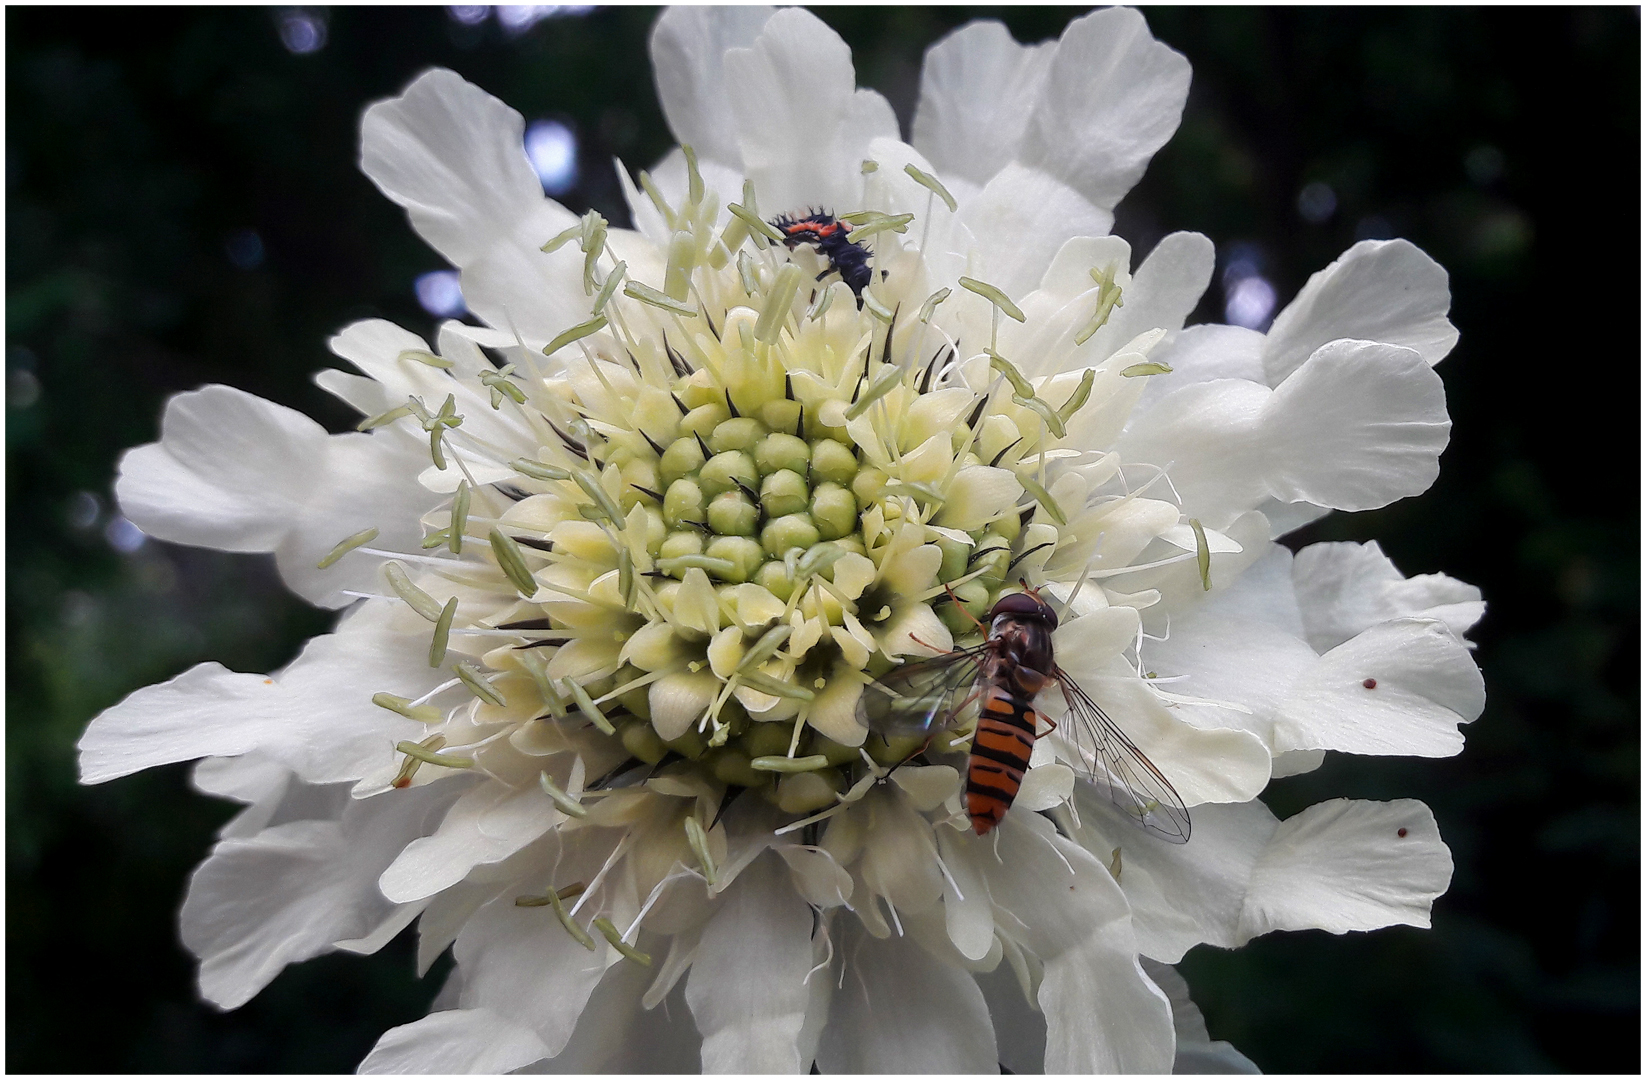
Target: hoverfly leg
{"x": 956, "y": 601}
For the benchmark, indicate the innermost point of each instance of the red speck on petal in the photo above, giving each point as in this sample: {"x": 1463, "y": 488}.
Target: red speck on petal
{"x": 1370, "y": 684}
{"x": 268, "y": 682}
{"x": 1400, "y": 833}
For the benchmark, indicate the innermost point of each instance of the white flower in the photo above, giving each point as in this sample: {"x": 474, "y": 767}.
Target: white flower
{"x": 591, "y": 717}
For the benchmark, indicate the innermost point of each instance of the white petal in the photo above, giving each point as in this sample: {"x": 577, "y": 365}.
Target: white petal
{"x": 616, "y": 1034}
{"x": 316, "y": 717}
{"x": 1113, "y": 97}
{"x": 1203, "y": 765}
{"x": 1180, "y": 894}
{"x": 803, "y": 126}
{"x": 1211, "y": 436}
{"x": 1425, "y": 685}
{"x": 1102, "y": 1013}
{"x": 487, "y": 825}
{"x": 817, "y": 876}
{"x": 1197, "y": 1054}
{"x": 1045, "y": 787}
{"x": 1358, "y": 426}
{"x": 1349, "y": 865}
{"x": 976, "y": 85}
{"x": 1096, "y": 638}
{"x": 978, "y": 495}
{"x": 966, "y": 912}
{"x": 1343, "y": 588}
{"x": 902, "y": 1010}
{"x": 747, "y": 989}
{"x": 287, "y": 893}
{"x": 1225, "y": 658}
{"x": 454, "y": 157}
{"x": 463, "y": 1041}
{"x": 834, "y": 711}
{"x": 899, "y": 855}
{"x": 231, "y": 471}
{"x": 1019, "y": 1028}
{"x": 1020, "y": 219}
{"x": 238, "y": 473}
{"x": 1204, "y": 353}
{"x": 1378, "y": 290}
{"x": 688, "y": 48}
{"x": 915, "y": 631}
{"x": 365, "y": 482}
{"x": 520, "y": 963}
{"x": 678, "y": 701}
{"x": 1165, "y": 289}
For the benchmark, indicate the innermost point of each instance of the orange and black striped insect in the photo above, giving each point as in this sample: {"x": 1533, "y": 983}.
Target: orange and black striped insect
{"x": 1005, "y": 673}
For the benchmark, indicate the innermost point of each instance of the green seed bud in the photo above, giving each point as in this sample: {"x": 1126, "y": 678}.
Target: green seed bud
{"x": 684, "y": 542}
{"x": 833, "y": 461}
{"x": 974, "y": 604}
{"x": 1008, "y": 526}
{"x": 732, "y": 514}
{"x": 690, "y": 745}
{"x": 638, "y": 473}
{"x": 837, "y": 753}
{"x": 731, "y": 766}
{"x": 834, "y": 511}
{"x": 741, "y": 551}
{"x": 655, "y": 529}
{"x": 781, "y": 414}
{"x": 738, "y": 433}
{"x": 955, "y": 555}
{"x": 784, "y": 492}
{"x": 682, "y": 458}
{"x": 762, "y": 740}
{"x": 868, "y": 484}
{"x": 850, "y": 543}
{"x": 803, "y": 793}
{"x": 780, "y": 450}
{"x": 893, "y": 751}
{"x": 723, "y": 471}
{"x": 640, "y": 740}
{"x": 704, "y": 419}
{"x": 638, "y": 700}
{"x": 993, "y": 562}
{"x": 789, "y": 531}
{"x": 684, "y": 501}
{"x": 774, "y": 578}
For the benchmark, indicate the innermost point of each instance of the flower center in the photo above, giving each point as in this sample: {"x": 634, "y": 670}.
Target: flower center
{"x": 738, "y": 502}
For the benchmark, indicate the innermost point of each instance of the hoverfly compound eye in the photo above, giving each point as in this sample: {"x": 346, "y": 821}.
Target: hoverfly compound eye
{"x": 1017, "y": 604}
{"x": 1048, "y": 613}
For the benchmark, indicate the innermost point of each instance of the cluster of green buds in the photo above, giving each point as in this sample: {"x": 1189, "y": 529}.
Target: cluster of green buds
{"x": 738, "y": 503}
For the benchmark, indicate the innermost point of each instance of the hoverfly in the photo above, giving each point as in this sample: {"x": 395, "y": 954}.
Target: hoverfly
{"x": 1006, "y": 672}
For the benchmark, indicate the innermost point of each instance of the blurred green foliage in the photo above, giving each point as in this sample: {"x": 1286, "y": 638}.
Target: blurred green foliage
{"x": 142, "y": 143}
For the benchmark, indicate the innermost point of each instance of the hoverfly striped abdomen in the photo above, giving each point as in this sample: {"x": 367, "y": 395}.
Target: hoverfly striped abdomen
{"x": 1004, "y": 674}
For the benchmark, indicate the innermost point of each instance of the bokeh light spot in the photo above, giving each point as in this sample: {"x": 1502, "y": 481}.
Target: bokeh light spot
{"x": 85, "y": 509}
{"x": 1317, "y": 202}
{"x": 440, "y": 293}
{"x": 123, "y": 536}
{"x": 302, "y": 31}
{"x": 552, "y": 149}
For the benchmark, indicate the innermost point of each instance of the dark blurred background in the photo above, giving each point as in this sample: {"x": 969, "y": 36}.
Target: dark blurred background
{"x": 183, "y": 207}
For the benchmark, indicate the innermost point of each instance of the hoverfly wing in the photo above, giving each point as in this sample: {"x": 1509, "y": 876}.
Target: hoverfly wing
{"x": 917, "y": 698}
{"x": 1134, "y": 785}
